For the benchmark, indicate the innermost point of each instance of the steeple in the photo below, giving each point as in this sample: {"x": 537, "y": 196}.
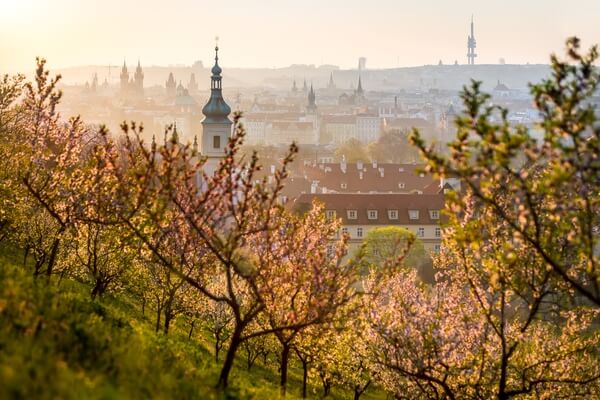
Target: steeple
{"x": 139, "y": 79}
{"x": 216, "y": 110}
{"x": 304, "y": 87}
{"x": 312, "y": 105}
{"x": 294, "y": 87}
{"x": 124, "y": 77}
{"x": 171, "y": 85}
{"x": 359, "y": 89}
{"x": 193, "y": 85}
{"x": 331, "y": 84}
{"x": 216, "y": 126}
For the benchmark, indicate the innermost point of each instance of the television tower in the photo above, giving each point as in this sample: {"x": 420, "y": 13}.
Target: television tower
{"x": 471, "y": 44}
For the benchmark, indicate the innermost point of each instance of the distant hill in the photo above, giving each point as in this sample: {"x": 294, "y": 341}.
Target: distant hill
{"x": 446, "y": 77}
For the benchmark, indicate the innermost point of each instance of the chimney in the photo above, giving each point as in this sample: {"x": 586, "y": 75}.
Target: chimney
{"x": 343, "y": 164}
{"x": 359, "y": 165}
{"x": 381, "y": 171}
{"x": 313, "y": 188}
{"x": 374, "y": 163}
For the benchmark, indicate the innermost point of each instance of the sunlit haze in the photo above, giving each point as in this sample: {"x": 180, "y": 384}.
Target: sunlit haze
{"x": 269, "y": 33}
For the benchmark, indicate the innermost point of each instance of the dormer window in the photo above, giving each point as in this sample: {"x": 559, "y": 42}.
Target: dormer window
{"x": 344, "y": 186}
{"x": 393, "y": 214}
{"x": 434, "y": 214}
{"x": 401, "y": 185}
{"x": 330, "y": 214}
{"x": 217, "y": 142}
{"x": 352, "y": 214}
{"x": 372, "y": 214}
{"x": 413, "y": 214}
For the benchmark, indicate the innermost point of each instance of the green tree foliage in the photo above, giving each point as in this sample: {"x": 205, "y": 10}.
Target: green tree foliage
{"x": 390, "y": 244}
{"x": 353, "y": 150}
{"x": 393, "y": 147}
{"x": 551, "y": 185}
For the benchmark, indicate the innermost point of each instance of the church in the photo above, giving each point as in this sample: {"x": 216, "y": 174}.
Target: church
{"x": 216, "y": 125}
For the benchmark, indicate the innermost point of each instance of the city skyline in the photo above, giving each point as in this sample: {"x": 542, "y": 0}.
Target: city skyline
{"x": 389, "y": 34}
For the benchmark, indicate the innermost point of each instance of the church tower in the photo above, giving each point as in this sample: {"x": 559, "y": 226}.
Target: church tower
{"x": 331, "y": 84}
{"x": 124, "y": 78}
{"x": 471, "y": 44}
{"x": 311, "y": 107}
{"x": 170, "y": 85}
{"x": 216, "y": 126}
{"x": 139, "y": 80}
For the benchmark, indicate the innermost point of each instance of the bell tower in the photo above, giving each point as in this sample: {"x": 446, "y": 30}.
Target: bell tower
{"x": 216, "y": 125}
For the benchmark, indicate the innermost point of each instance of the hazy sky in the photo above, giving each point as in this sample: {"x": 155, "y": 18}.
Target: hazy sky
{"x": 275, "y": 33}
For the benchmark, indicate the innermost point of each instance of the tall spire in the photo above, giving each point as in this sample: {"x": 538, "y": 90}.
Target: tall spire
{"x": 216, "y": 110}
{"x": 359, "y": 89}
{"x": 471, "y": 45}
{"x": 312, "y": 105}
{"x": 331, "y": 84}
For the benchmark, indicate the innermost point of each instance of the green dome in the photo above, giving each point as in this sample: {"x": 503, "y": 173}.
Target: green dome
{"x": 216, "y": 110}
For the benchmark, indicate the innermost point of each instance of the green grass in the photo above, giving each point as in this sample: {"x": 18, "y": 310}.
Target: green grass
{"x": 56, "y": 343}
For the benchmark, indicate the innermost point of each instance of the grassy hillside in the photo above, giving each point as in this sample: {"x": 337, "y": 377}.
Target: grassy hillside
{"x": 55, "y": 342}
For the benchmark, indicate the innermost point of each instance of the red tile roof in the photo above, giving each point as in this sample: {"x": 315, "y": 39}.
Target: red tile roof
{"x": 384, "y": 178}
{"x": 382, "y": 203}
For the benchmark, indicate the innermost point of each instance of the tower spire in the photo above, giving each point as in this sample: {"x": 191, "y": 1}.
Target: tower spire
{"x": 216, "y": 126}
{"x": 471, "y": 45}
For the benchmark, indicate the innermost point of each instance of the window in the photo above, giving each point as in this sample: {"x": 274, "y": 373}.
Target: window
{"x": 344, "y": 231}
{"x": 421, "y": 232}
{"x": 401, "y": 185}
{"x": 437, "y": 248}
{"x": 352, "y": 214}
{"x": 434, "y": 214}
{"x": 344, "y": 186}
{"x": 330, "y": 214}
{"x": 359, "y": 232}
{"x": 438, "y": 232}
{"x": 393, "y": 214}
{"x": 372, "y": 214}
{"x": 413, "y": 214}
{"x": 217, "y": 142}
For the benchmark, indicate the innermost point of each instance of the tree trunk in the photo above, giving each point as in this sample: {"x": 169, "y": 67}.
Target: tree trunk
{"x": 99, "y": 288}
{"x": 52, "y": 259}
{"x": 358, "y": 391}
{"x": 191, "y": 329}
{"x": 158, "y": 315}
{"x": 25, "y": 254}
{"x": 234, "y": 344}
{"x": 304, "y": 361}
{"x": 217, "y": 347}
{"x": 143, "y": 306}
{"x": 285, "y": 355}
{"x": 304, "y": 377}
{"x": 169, "y": 314}
{"x": 168, "y": 318}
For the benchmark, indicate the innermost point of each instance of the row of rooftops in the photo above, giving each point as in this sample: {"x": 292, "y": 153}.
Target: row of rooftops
{"x": 377, "y": 209}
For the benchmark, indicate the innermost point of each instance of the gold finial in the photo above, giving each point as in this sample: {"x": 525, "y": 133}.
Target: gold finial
{"x": 216, "y": 43}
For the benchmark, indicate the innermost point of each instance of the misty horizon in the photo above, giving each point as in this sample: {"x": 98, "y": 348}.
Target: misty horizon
{"x": 261, "y": 35}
